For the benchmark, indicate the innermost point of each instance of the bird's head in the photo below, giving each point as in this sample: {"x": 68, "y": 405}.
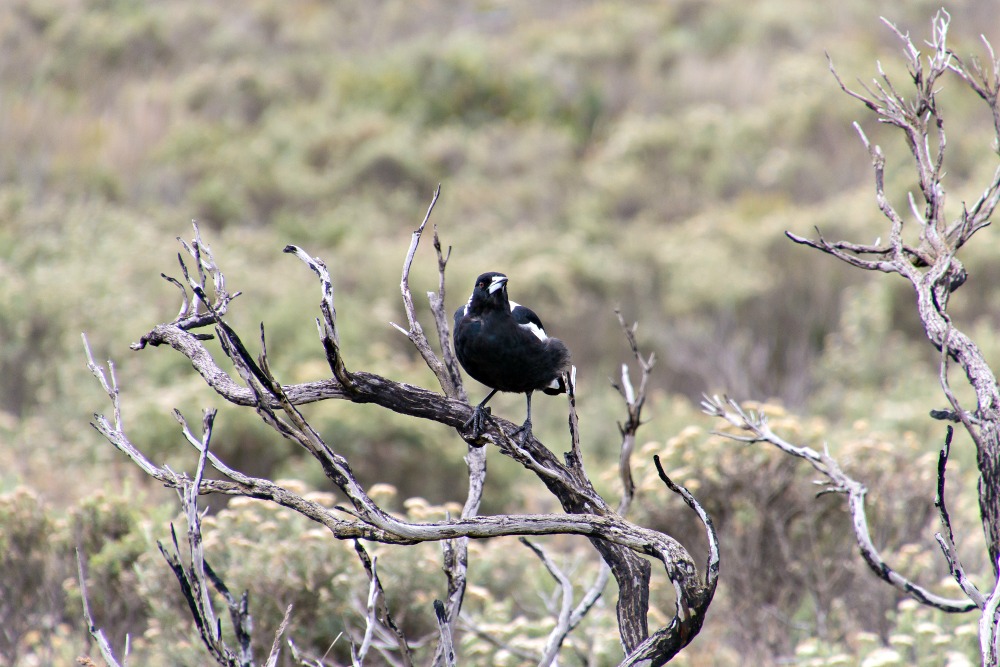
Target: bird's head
{"x": 490, "y": 291}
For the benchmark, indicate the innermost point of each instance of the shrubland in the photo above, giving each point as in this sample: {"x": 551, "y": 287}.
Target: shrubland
{"x": 646, "y": 157}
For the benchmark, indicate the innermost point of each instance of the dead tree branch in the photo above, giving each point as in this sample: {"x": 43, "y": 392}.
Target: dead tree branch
{"x": 928, "y": 259}
{"x": 634, "y": 401}
{"x": 562, "y": 629}
{"x": 448, "y": 380}
{"x": 989, "y": 639}
{"x": 569, "y": 616}
{"x": 379, "y": 609}
{"x": 103, "y": 645}
{"x": 622, "y": 545}
{"x": 837, "y": 481}
{"x": 447, "y": 649}
{"x": 947, "y": 538}
{"x": 194, "y": 578}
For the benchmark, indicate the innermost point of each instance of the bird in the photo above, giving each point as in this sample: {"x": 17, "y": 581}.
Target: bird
{"x": 503, "y": 345}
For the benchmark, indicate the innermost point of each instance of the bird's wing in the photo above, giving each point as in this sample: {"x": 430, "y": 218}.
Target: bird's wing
{"x": 526, "y": 318}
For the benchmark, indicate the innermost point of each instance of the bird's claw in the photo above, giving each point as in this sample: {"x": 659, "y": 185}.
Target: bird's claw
{"x": 523, "y": 432}
{"x": 478, "y": 421}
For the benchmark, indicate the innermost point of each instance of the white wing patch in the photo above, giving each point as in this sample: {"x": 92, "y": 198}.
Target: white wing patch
{"x": 530, "y": 326}
{"x": 533, "y": 328}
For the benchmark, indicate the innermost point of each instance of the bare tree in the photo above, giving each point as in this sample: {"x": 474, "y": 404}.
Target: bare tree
{"x": 252, "y": 384}
{"x": 925, "y": 254}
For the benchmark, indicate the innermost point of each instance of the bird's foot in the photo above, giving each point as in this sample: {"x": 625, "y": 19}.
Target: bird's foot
{"x": 478, "y": 421}
{"x": 523, "y": 432}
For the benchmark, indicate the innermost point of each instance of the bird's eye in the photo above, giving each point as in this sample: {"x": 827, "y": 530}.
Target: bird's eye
{"x": 481, "y": 285}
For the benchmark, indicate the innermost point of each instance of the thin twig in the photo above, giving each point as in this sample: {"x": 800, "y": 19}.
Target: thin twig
{"x": 947, "y": 538}
{"x": 444, "y": 628}
{"x": 379, "y": 608}
{"x": 989, "y": 638}
{"x": 102, "y": 641}
{"x": 559, "y": 633}
{"x": 416, "y": 332}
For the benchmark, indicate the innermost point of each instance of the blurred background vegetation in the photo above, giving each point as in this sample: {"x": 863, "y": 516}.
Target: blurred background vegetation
{"x": 646, "y": 156}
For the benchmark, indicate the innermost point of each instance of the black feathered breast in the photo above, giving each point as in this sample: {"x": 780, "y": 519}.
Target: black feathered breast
{"x": 503, "y": 344}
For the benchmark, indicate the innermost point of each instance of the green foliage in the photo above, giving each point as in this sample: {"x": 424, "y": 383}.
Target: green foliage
{"x": 40, "y": 603}
{"x": 30, "y": 585}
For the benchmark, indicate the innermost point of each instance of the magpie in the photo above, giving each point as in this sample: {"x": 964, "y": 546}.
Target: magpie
{"x": 503, "y": 345}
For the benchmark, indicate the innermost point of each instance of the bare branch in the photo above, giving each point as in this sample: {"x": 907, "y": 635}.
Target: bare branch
{"x": 190, "y": 315}
{"x": 115, "y": 433}
{"x": 102, "y": 641}
{"x": 621, "y": 544}
{"x": 194, "y": 583}
{"x": 932, "y": 266}
{"x": 634, "y": 401}
{"x": 690, "y": 609}
{"x": 961, "y": 415}
{"x": 838, "y": 251}
{"x": 985, "y": 83}
{"x": 379, "y": 609}
{"x": 456, "y": 551}
{"x": 947, "y": 538}
{"x": 358, "y": 655}
{"x": 437, "y": 300}
{"x": 989, "y": 639}
{"x": 562, "y": 627}
{"x": 444, "y": 628}
{"x": 714, "y": 553}
{"x": 573, "y": 458}
{"x": 838, "y": 482}
{"x": 416, "y": 333}
{"x": 272, "y": 658}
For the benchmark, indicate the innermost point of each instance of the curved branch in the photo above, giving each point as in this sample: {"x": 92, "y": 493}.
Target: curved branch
{"x": 838, "y": 482}
{"x": 947, "y": 538}
{"x": 690, "y": 611}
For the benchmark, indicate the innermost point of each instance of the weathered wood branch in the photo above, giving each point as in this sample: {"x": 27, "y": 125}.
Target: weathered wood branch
{"x": 196, "y": 576}
{"x": 947, "y": 538}
{"x": 251, "y": 383}
{"x": 931, "y": 265}
{"x": 103, "y": 645}
{"x": 756, "y": 425}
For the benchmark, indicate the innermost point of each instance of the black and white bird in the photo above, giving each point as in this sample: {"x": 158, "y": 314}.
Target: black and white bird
{"x": 502, "y": 344}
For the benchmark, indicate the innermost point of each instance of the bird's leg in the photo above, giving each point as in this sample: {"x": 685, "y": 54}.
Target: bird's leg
{"x": 479, "y": 416}
{"x": 525, "y": 428}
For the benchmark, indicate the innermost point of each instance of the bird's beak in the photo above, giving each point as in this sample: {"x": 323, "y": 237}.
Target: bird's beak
{"x": 497, "y": 283}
